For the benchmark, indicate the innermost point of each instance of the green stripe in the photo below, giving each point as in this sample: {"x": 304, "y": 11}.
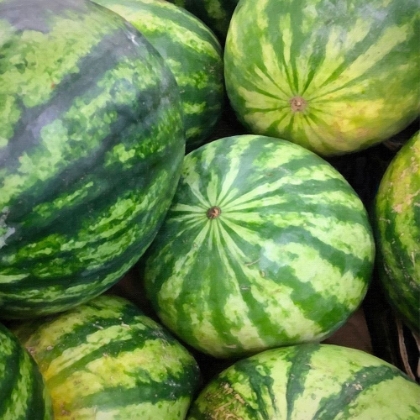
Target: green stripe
{"x": 362, "y": 380}
{"x": 262, "y": 386}
{"x": 299, "y": 359}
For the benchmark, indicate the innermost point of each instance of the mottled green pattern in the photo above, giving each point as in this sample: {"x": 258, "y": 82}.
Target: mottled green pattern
{"x": 309, "y": 382}
{"x": 192, "y": 53}
{"x": 397, "y": 221}
{"x": 23, "y": 395}
{"x": 105, "y": 359}
{"x": 91, "y": 151}
{"x": 214, "y": 13}
{"x": 287, "y": 260}
{"x": 334, "y": 77}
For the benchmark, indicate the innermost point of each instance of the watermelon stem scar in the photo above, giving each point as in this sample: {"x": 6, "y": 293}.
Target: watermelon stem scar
{"x": 298, "y": 104}
{"x": 213, "y": 212}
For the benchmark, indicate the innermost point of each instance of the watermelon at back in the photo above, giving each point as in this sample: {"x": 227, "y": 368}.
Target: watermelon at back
{"x": 193, "y": 54}
{"x": 91, "y": 146}
{"x": 334, "y": 77}
{"x": 265, "y": 244}
{"x": 214, "y": 13}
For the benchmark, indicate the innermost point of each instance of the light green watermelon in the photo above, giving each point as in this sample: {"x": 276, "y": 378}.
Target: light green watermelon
{"x": 106, "y": 360}
{"x": 309, "y": 382}
{"x": 265, "y": 244}
{"x": 334, "y": 77}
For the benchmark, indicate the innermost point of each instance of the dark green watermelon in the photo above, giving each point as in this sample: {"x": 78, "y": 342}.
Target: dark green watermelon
{"x": 91, "y": 146}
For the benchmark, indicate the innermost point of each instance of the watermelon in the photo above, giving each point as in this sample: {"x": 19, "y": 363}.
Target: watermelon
{"x": 397, "y": 230}
{"x": 193, "y": 54}
{"x": 106, "y": 360}
{"x": 265, "y": 244}
{"x": 214, "y": 13}
{"x": 91, "y": 147}
{"x": 309, "y": 381}
{"x": 23, "y": 395}
{"x": 334, "y": 77}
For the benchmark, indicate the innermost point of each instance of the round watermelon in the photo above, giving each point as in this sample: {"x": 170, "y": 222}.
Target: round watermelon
{"x": 265, "y": 244}
{"x": 334, "y": 77}
{"x": 23, "y": 395}
{"x": 193, "y": 54}
{"x": 91, "y": 147}
{"x": 397, "y": 230}
{"x": 310, "y": 382}
{"x": 106, "y": 360}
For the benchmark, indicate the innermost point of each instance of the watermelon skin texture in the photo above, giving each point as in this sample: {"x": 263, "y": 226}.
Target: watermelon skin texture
{"x": 91, "y": 147}
{"x": 265, "y": 244}
{"x": 397, "y": 220}
{"x": 23, "y": 395}
{"x": 309, "y": 381}
{"x": 334, "y": 77}
{"x": 193, "y": 54}
{"x": 214, "y": 13}
{"x": 106, "y": 359}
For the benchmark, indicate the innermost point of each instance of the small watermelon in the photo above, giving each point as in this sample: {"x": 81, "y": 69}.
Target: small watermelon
{"x": 265, "y": 244}
{"x": 309, "y": 382}
{"x": 106, "y": 360}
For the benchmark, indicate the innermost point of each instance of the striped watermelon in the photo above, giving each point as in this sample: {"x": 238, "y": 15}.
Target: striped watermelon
{"x": 397, "y": 221}
{"x": 265, "y": 244}
{"x": 214, "y": 13}
{"x": 192, "y": 53}
{"x": 23, "y": 395}
{"x": 334, "y": 77}
{"x": 91, "y": 147}
{"x": 309, "y": 381}
{"x": 106, "y": 360}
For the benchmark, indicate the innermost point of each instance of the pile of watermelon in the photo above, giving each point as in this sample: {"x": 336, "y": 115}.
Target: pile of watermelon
{"x": 197, "y": 198}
